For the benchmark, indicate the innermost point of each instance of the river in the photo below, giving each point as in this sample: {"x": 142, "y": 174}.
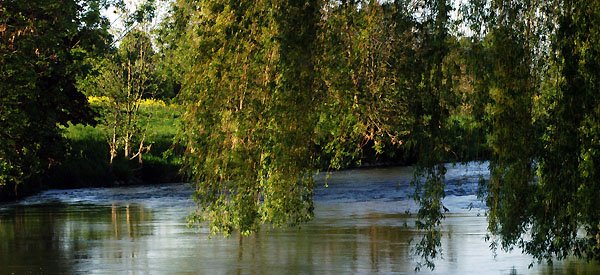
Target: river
{"x": 360, "y": 226}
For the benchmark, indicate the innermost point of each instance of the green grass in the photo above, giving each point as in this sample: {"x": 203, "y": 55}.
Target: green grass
{"x": 86, "y": 163}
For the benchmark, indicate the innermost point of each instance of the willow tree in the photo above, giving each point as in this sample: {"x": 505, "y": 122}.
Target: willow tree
{"x": 363, "y": 105}
{"x": 273, "y": 84}
{"x": 512, "y": 134}
{"x": 389, "y": 85}
{"x": 256, "y": 121}
{"x": 564, "y": 201}
{"x": 542, "y": 111}
{"x": 250, "y": 117}
{"x": 576, "y": 119}
{"x": 432, "y": 103}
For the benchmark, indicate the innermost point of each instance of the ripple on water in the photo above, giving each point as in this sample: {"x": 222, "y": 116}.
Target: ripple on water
{"x": 360, "y": 226}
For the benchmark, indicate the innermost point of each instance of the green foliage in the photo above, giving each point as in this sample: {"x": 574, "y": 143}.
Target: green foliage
{"x": 250, "y": 117}
{"x": 542, "y": 112}
{"x": 431, "y": 105}
{"x": 123, "y": 81}
{"x": 389, "y": 82}
{"x": 511, "y": 139}
{"x": 570, "y": 142}
{"x": 266, "y": 107}
{"x": 171, "y": 40}
{"x": 364, "y": 101}
{"x": 391, "y": 77}
{"x": 43, "y": 47}
{"x": 86, "y": 163}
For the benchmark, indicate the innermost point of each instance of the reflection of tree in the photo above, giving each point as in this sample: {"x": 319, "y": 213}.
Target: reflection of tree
{"x": 452, "y": 245}
{"x": 115, "y": 221}
{"x": 127, "y": 224}
{"x": 128, "y": 219}
{"x": 52, "y": 236}
{"x": 361, "y": 248}
{"x": 29, "y": 235}
{"x": 373, "y": 248}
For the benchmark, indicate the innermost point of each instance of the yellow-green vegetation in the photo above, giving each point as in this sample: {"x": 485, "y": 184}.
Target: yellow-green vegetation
{"x": 87, "y": 160}
{"x": 377, "y": 78}
{"x": 270, "y": 91}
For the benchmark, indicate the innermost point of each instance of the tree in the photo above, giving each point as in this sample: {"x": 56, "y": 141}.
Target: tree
{"x": 542, "y": 111}
{"x": 267, "y": 107}
{"x": 136, "y": 70}
{"x": 250, "y": 119}
{"x": 364, "y": 101}
{"x": 512, "y": 132}
{"x": 42, "y": 48}
{"x": 252, "y": 136}
{"x": 171, "y": 41}
{"x": 124, "y": 78}
{"x": 389, "y": 84}
{"x": 431, "y": 104}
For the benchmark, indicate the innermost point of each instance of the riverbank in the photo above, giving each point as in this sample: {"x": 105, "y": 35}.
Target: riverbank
{"x": 85, "y": 161}
{"x": 86, "y": 158}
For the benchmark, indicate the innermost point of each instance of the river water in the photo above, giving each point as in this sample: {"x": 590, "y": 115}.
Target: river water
{"x": 360, "y": 226}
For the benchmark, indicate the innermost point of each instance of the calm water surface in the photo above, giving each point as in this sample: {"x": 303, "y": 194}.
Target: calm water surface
{"x": 359, "y": 227}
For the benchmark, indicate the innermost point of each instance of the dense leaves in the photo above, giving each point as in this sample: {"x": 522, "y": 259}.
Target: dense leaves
{"x": 396, "y": 77}
{"x": 271, "y": 95}
{"x": 275, "y": 90}
{"x": 250, "y": 117}
{"x": 542, "y": 110}
{"x": 42, "y": 48}
{"x": 364, "y": 102}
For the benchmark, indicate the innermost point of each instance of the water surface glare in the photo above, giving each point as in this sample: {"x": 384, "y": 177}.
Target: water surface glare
{"x": 360, "y": 226}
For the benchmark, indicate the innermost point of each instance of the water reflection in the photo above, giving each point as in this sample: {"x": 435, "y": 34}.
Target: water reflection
{"x": 62, "y": 238}
{"x": 324, "y": 250}
{"x": 50, "y": 237}
{"x": 359, "y": 227}
{"x": 27, "y": 240}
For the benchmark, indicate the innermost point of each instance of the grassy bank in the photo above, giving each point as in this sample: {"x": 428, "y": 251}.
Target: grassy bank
{"x": 86, "y": 163}
{"x": 87, "y": 160}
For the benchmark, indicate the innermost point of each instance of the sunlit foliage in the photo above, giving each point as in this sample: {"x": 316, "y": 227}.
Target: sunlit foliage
{"x": 250, "y": 118}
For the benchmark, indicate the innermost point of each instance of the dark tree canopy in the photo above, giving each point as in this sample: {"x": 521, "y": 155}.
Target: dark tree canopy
{"x": 542, "y": 98}
{"x": 42, "y": 48}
